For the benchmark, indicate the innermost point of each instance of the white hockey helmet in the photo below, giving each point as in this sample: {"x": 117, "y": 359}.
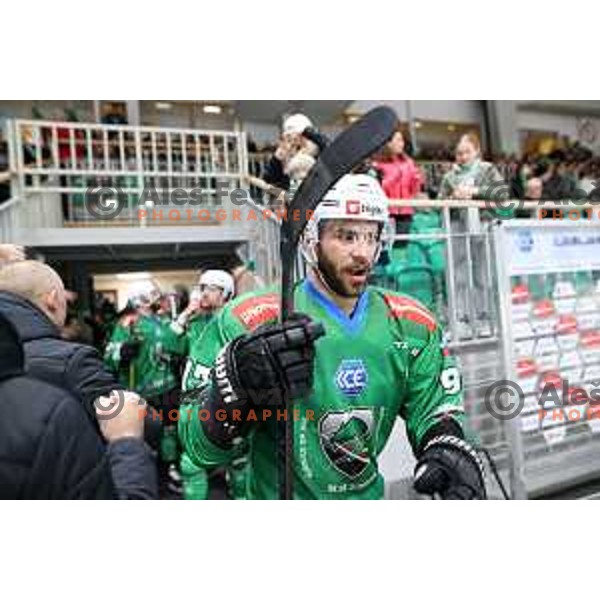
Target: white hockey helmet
{"x": 220, "y": 279}
{"x": 355, "y": 197}
{"x": 144, "y": 293}
{"x": 296, "y": 123}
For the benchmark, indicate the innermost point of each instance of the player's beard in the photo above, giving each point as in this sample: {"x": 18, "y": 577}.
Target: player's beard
{"x": 332, "y": 276}
{"x": 210, "y": 304}
{"x": 205, "y": 305}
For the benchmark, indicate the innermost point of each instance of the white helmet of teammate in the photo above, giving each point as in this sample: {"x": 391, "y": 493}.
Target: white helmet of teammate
{"x": 144, "y": 293}
{"x": 296, "y": 123}
{"x": 220, "y": 279}
{"x": 355, "y": 197}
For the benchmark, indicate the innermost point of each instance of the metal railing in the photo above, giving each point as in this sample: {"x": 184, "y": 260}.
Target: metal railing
{"x": 454, "y": 265}
{"x": 9, "y": 219}
{"x": 63, "y": 161}
{"x": 446, "y": 263}
{"x": 434, "y": 171}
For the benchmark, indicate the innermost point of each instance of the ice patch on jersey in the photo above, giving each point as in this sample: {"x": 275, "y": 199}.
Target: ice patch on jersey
{"x": 351, "y": 377}
{"x": 402, "y": 307}
{"x": 258, "y": 310}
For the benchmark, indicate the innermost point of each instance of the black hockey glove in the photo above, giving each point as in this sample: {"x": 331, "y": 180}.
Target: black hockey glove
{"x": 316, "y": 137}
{"x": 259, "y": 370}
{"x": 450, "y": 467}
{"x": 271, "y": 364}
{"x": 129, "y": 350}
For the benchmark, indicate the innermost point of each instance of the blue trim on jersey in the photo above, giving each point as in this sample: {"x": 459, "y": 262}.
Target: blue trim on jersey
{"x": 351, "y": 324}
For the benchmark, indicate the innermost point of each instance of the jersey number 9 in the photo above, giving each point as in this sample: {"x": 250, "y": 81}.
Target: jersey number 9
{"x": 450, "y": 380}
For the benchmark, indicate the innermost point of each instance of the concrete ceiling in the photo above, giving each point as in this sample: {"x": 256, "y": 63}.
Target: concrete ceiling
{"x": 323, "y": 112}
{"x": 116, "y": 258}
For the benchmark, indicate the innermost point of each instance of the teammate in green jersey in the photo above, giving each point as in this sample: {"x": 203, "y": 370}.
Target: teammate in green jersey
{"x": 141, "y": 346}
{"x": 141, "y": 351}
{"x": 215, "y": 288}
{"x": 381, "y": 356}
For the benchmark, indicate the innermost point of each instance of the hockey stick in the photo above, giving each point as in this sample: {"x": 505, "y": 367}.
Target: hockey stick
{"x": 362, "y": 139}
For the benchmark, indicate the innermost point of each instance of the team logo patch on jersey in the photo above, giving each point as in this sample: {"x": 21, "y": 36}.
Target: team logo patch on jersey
{"x": 256, "y": 311}
{"x": 351, "y": 378}
{"x": 345, "y": 438}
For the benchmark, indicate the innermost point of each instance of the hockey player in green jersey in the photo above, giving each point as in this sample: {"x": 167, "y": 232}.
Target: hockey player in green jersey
{"x": 354, "y": 357}
{"x": 141, "y": 352}
{"x": 140, "y": 347}
{"x": 215, "y": 288}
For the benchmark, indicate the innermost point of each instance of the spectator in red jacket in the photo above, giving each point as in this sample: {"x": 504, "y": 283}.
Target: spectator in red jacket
{"x": 401, "y": 179}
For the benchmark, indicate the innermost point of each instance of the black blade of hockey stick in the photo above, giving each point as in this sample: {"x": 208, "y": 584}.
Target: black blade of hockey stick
{"x": 362, "y": 139}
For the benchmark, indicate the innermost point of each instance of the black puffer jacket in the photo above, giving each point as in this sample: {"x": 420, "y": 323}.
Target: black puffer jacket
{"x": 74, "y": 367}
{"x": 57, "y": 415}
{"x": 48, "y": 447}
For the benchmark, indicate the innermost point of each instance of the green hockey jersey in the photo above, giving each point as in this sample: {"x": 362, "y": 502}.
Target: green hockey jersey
{"x": 386, "y": 360}
{"x": 193, "y": 334}
{"x": 150, "y": 373}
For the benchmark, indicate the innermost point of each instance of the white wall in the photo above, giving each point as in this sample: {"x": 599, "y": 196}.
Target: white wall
{"x": 458, "y": 111}
{"x": 183, "y": 116}
{"x": 561, "y": 124}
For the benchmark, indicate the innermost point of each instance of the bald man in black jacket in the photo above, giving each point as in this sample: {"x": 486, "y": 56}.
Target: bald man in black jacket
{"x": 32, "y": 297}
{"x": 49, "y": 449}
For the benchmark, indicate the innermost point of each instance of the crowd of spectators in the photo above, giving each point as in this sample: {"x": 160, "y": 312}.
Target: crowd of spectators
{"x": 570, "y": 170}
{"x": 567, "y": 172}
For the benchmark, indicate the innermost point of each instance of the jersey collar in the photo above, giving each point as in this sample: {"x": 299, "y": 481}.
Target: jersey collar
{"x": 350, "y": 323}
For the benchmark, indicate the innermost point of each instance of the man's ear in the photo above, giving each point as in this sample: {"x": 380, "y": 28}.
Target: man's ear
{"x": 51, "y": 300}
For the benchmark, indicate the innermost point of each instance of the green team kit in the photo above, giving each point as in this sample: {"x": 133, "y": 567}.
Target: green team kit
{"x": 150, "y": 373}
{"x": 386, "y": 360}
{"x": 194, "y": 330}
{"x": 195, "y": 477}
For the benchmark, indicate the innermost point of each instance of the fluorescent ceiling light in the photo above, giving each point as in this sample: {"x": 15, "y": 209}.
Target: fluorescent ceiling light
{"x": 212, "y": 109}
{"x": 133, "y": 276}
{"x": 163, "y": 105}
